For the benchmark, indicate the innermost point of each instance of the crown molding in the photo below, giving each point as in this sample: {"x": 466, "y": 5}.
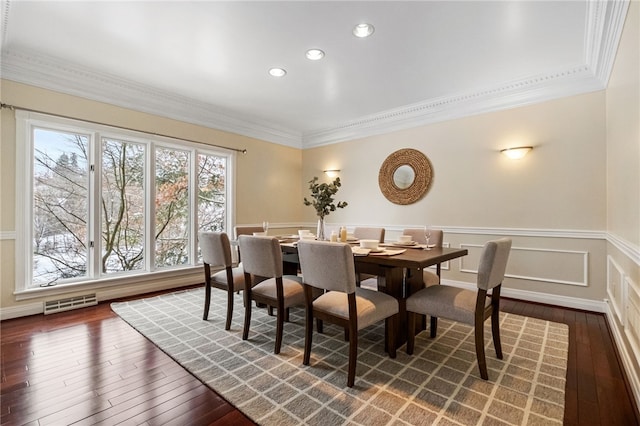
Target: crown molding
{"x": 535, "y": 89}
{"x": 605, "y": 21}
{"x": 51, "y": 73}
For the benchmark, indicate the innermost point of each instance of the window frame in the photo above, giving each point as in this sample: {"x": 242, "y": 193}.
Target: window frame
{"x": 27, "y": 121}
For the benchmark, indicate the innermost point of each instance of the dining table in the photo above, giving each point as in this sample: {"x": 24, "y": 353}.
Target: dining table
{"x": 398, "y": 273}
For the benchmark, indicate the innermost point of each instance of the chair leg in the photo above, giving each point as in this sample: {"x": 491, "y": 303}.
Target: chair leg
{"x": 495, "y": 332}
{"x": 227, "y": 324}
{"x": 207, "y": 300}
{"x": 353, "y": 355}
{"x": 391, "y": 325}
{"x": 308, "y": 335}
{"x": 286, "y": 315}
{"x": 434, "y": 327}
{"x": 411, "y": 332}
{"x": 346, "y": 334}
{"x": 319, "y": 326}
{"x": 247, "y": 314}
{"x": 279, "y": 326}
{"x": 482, "y": 362}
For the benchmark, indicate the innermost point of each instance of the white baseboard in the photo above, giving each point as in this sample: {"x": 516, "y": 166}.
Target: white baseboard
{"x": 22, "y": 310}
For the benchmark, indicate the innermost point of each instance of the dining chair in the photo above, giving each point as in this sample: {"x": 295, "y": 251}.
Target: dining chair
{"x": 262, "y": 257}
{"x": 246, "y": 230}
{"x": 368, "y": 233}
{"x": 330, "y": 267}
{"x": 436, "y": 237}
{"x": 216, "y": 253}
{"x": 467, "y": 306}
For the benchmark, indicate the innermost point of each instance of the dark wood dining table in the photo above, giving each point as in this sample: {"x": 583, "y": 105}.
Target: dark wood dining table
{"x": 398, "y": 275}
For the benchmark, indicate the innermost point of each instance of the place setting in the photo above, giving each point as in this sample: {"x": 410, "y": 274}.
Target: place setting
{"x": 374, "y": 247}
{"x": 406, "y": 241}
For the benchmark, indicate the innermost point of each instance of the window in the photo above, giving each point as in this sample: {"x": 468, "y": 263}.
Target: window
{"x": 99, "y": 202}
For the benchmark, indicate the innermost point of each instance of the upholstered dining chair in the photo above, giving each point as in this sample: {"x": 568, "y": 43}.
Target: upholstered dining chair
{"x": 216, "y": 254}
{"x": 436, "y": 237}
{"x": 330, "y": 267}
{"x": 262, "y": 257}
{"x": 368, "y": 233}
{"x": 467, "y": 306}
{"x": 246, "y": 230}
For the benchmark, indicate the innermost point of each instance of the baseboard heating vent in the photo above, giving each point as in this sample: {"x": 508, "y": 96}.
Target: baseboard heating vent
{"x": 60, "y": 305}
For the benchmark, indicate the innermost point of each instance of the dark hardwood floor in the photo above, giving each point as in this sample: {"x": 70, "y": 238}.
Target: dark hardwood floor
{"x": 89, "y": 367}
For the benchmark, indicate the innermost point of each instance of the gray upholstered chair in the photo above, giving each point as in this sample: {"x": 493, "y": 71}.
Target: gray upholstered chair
{"x": 435, "y": 238}
{"x": 262, "y": 257}
{"x": 368, "y": 233}
{"x": 330, "y": 266}
{"x": 467, "y": 306}
{"x": 246, "y": 230}
{"x": 216, "y": 254}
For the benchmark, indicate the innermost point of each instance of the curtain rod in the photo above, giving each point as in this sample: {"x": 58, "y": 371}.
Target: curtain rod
{"x": 13, "y": 108}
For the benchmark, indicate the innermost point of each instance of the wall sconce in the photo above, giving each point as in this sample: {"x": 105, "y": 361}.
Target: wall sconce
{"x": 332, "y": 172}
{"x": 517, "y": 152}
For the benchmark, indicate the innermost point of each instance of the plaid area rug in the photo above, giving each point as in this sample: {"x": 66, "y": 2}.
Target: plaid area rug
{"x": 439, "y": 384}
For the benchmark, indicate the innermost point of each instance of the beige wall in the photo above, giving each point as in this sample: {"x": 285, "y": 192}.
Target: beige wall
{"x": 268, "y": 175}
{"x": 559, "y": 185}
{"x": 477, "y": 193}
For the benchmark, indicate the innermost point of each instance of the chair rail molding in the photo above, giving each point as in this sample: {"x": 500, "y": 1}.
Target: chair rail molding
{"x": 7, "y": 235}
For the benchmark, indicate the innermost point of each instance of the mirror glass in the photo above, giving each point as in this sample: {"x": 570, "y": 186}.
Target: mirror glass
{"x": 404, "y": 176}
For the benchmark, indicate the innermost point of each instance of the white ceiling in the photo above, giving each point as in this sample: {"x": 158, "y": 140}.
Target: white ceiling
{"x": 207, "y": 62}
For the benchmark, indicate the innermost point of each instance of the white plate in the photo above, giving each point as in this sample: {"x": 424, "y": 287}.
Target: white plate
{"x": 402, "y": 244}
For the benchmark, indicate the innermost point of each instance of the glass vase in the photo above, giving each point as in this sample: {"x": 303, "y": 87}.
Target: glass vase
{"x": 320, "y": 231}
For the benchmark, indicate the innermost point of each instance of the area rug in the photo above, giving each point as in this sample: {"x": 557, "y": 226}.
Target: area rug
{"x": 439, "y": 384}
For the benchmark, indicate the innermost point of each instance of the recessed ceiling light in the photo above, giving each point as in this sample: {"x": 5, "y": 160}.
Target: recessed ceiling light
{"x": 363, "y": 30}
{"x": 315, "y": 54}
{"x": 277, "y": 72}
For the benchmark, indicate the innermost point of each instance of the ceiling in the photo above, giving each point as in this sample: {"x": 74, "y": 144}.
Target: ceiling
{"x": 207, "y": 62}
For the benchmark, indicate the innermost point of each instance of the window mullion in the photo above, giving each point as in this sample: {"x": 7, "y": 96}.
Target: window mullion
{"x": 193, "y": 208}
{"x": 95, "y": 196}
{"x": 150, "y": 209}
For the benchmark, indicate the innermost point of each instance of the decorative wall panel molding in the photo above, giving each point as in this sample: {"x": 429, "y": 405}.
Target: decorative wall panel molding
{"x": 632, "y": 326}
{"x": 563, "y": 266}
{"x": 616, "y": 288}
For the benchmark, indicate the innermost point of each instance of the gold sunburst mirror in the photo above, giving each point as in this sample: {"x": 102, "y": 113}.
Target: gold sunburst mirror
{"x": 405, "y": 176}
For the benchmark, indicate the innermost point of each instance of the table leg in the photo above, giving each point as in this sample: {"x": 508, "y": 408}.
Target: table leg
{"x": 414, "y": 283}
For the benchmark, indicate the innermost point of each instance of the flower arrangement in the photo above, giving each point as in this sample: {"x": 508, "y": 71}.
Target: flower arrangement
{"x": 322, "y": 200}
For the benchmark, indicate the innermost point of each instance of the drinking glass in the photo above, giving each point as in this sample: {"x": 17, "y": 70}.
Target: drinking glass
{"x": 265, "y": 226}
{"x": 427, "y": 236}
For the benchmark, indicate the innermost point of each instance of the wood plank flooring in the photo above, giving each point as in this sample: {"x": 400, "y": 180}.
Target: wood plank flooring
{"x": 88, "y": 367}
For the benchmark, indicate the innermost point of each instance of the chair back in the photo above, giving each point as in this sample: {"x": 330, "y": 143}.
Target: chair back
{"x": 261, "y": 256}
{"x": 215, "y": 248}
{"x": 417, "y": 235}
{"x": 247, "y": 230}
{"x": 327, "y": 265}
{"x": 369, "y": 233}
{"x": 493, "y": 263}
